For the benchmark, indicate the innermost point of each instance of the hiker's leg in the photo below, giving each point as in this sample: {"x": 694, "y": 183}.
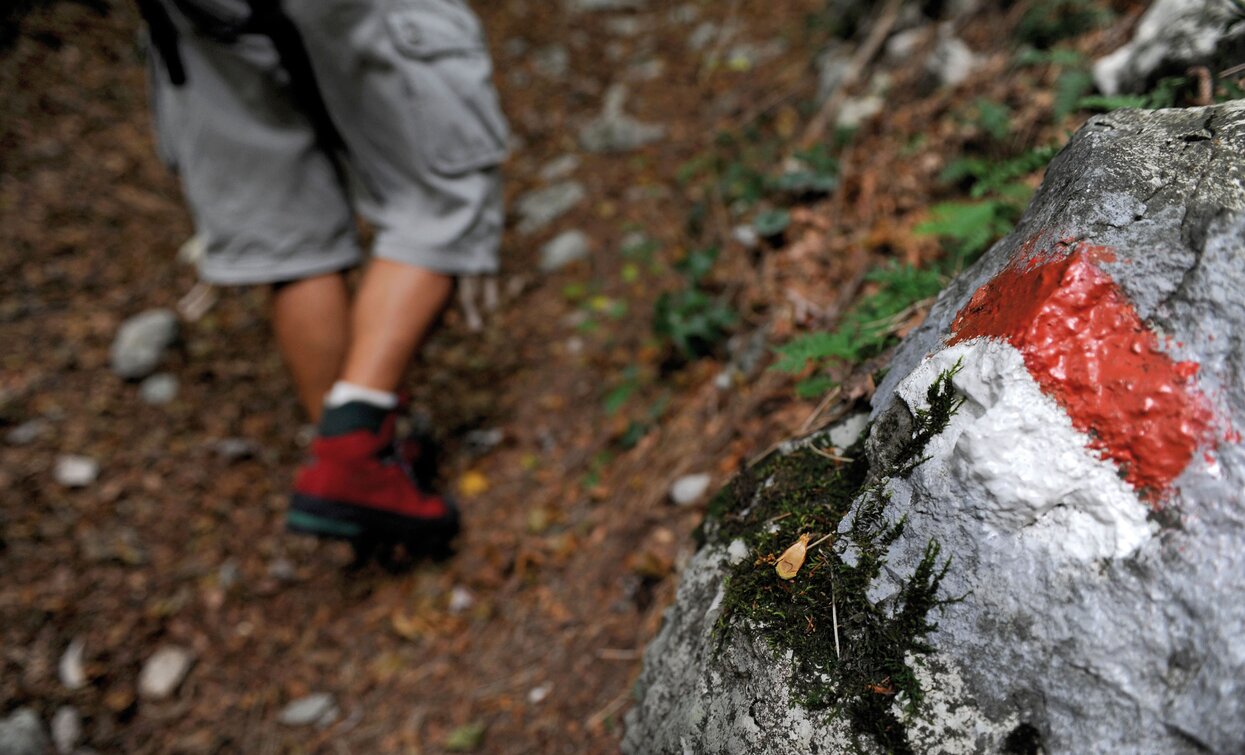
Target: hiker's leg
{"x": 311, "y": 319}
{"x": 394, "y": 310}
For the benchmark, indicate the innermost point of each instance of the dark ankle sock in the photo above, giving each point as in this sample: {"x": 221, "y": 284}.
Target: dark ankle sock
{"x": 351, "y": 416}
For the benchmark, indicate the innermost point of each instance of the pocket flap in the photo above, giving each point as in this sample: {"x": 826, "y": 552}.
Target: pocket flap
{"x": 422, "y": 33}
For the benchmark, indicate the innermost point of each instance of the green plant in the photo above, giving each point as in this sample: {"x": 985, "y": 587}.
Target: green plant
{"x": 995, "y": 118}
{"x": 692, "y": 321}
{"x": 867, "y": 328}
{"x": 1050, "y": 21}
{"x": 1166, "y": 93}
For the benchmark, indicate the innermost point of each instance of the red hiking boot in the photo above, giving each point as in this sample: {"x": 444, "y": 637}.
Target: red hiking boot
{"x": 362, "y": 485}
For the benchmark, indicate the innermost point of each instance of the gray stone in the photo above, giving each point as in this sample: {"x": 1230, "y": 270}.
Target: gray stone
{"x": 28, "y": 432}
{"x": 66, "y": 729}
{"x": 236, "y": 449}
{"x": 461, "y": 600}
{"x": 951, "y": 61}
{"x": 141, "y": 341}
{"x": 625, "y": 26}
{"x": 319, "y": 708}
{"x": 21, "y": 733}
{"x": 689, "y": 489}
{"x": 158, "y": 389}
{"x": 73, "y": 471}
{"x": 746, "y": 236}
{"x": 1090, "y": 616}
{"x": 902, "y": 46}
{"x": 856, "y": 110}
{"x": 164, "y": 672}
{"x": 553, "y": 61}
{"x": 615, "y": 131}
{"x": 70, "y": 668}
{"x": 559, "y": 167}
{"x": 563, "y": 249}
{"x": 537, "y": 209}
{"x": 1172, "y": 36}
{"x": 832, "y": 65}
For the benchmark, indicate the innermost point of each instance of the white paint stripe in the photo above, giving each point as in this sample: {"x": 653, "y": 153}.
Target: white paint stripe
{"x": 1011, "y": 459}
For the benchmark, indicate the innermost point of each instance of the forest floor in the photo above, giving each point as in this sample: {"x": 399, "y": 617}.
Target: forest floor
{"x": 565, "y": 418}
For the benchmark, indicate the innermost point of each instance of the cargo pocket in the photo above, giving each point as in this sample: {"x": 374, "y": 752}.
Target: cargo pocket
{"x": 457, "y": 113}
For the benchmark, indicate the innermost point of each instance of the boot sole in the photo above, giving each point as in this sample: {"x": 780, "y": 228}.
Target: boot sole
{"x": 329, "y": 519}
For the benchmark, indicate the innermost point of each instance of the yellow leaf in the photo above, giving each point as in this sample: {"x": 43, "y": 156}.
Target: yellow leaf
{"x": 472, "y": 483}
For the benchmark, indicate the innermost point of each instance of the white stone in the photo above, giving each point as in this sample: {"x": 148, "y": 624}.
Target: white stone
{"x": 159, "y": 389}
{"x": 539, "y": 208}
{"x": 689, "y": 489}
{"x": 66, "y": 729}
{"x": 537, "y": 695}
{"x": 318, "y": 708}
{"x": 559, "y": 167}
{"x": 70, "y": 670}
{"x": 164, "y": 672}
{"x": 21, "y": 733}
{"x": 952, "y": 61}
{"x": 848, "y": 431}
{"x": 737, "y": 551}
{"x": 563, "y": 249}
{"x": 73, "y": 471}
{"x": 141, "y": 341}
{"x": 461, "y": 600}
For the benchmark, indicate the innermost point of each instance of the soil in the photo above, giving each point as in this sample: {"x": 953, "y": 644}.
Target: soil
{"x": 571, "y": 547}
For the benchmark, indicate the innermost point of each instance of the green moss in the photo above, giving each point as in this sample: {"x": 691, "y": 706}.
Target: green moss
{"x": 806, "y": 492}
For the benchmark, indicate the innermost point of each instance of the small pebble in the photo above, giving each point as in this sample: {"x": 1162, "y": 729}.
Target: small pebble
{"x": 537, "y": 695}
{"x": 319, "y": 708}
{"x": 74, "y": 471}
{"x": 28, "y": 432}
{"x": 689, "y": 489}
{"x": 66, "y": 729}
{"x": 461, "y": 600}
{"x": 159, "y": 389}
{"x": 21, "y": 733}
{"x": 736, "y": 552}
{"x": 70, "y": 670}
{"x": 164, "y": 672}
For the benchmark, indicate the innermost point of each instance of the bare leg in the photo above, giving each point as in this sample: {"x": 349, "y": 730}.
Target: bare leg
{"x": 310, "y": 318}
{"x": 394, "y": 310}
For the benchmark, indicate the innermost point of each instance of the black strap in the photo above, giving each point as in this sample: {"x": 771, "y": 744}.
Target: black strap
{"x": 269, "y": 19}
{"x": 164, "y": 39}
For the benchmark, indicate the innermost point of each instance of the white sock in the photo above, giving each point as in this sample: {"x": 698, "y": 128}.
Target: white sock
{"x": 343, "y": 393}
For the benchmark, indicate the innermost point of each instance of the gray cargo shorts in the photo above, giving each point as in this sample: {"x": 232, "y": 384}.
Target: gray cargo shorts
{"x": 406, "y": 83}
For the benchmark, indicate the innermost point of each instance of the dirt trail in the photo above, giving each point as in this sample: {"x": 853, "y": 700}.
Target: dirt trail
{"x": 532, "y": 633}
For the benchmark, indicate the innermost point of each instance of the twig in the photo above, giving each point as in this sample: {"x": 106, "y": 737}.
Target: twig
{"x": 820, "y": 540}
{"x": 612, "y": 707}
{"x": 830, "y": 456}
{"x": 834, "y": 619}
{"x": 830, "y": 398}
{"x": 816, "y": 129}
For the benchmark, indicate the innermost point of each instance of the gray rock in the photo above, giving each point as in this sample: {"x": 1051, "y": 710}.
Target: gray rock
{"x": 624, "y": 26}
{"x": 553, "y": 61}
{"x": 1091, "y": 615}
{"x": 902, "y": 46}
{"x": 70, "y": 668}
{"x": 563, "y": 249}
{"x": 66, "y": 729}
{"x": 461, "y": 600}
{"x": 282, "y": 570}
{"x": 73, "y": 471}
{"x": 21, "y": 733}
{"x": 832, "y": 65}
{"x": 856, "y": 110}
{"x": 158, "y": 389}
{"x": 237, "y": 449}
{"x": 615, "y": 131}
{"x": 28, "y": 432}
{"x": 951, "y": 61}
{"x": 141, "y": 341}
{"x": 689, "y": 489}
{"x": 1172, "y": 36}
{"x": 537, "y": 209}
{"x": 746, "y": 236}
{"x": 164, "y": 672}
{"x": 559, "y": 167}
{"x": 319, "y": 708}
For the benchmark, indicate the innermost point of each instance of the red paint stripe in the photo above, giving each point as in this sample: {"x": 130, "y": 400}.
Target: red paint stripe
{"x": 1088, "y": 349}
